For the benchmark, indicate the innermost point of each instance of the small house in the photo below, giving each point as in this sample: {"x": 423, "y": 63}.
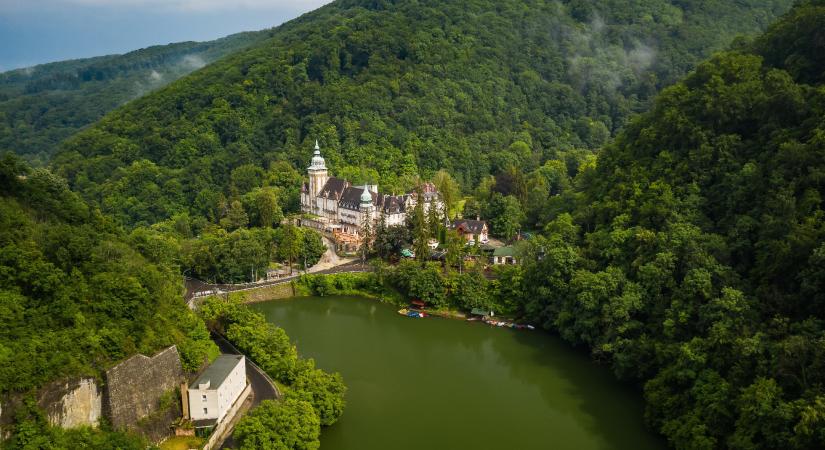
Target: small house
{"x": 274, "y": 274}
{"x": 504, "y": 255}
{"x": 471, "y": 230}
{"x": 214, "y": 392}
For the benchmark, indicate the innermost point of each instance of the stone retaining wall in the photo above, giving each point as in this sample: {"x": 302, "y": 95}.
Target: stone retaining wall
{"x": 134, "y": 387}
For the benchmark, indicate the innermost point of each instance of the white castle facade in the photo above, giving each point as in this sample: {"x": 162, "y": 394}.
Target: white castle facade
{"x": 335, "y": 205}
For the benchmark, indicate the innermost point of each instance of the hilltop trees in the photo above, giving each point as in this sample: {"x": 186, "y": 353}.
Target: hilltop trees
{"x": 404, "y": 99}
{"x": 691, "y": 249}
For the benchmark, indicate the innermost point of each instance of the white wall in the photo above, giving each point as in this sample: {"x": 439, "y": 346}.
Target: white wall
{"x": 218, "y": 400}
{"x": 231, "y": 388}
{"x": 197, "y": 404}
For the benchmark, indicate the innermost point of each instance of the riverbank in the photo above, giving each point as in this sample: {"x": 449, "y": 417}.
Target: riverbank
{"x": 361, "y": 284}
{"x": 338, "y": 285}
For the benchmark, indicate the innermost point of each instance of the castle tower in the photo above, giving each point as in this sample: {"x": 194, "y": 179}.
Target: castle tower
{"x": 366, "y": 207}
{"x": 317, "y": 175}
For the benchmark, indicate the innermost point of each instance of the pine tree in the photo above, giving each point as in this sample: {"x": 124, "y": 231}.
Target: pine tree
{"x": 421, "y": 233}
{"x": 366, "y": 238}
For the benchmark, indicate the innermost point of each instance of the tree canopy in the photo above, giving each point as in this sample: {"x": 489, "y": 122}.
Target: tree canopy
{"x": 403, "y": 88}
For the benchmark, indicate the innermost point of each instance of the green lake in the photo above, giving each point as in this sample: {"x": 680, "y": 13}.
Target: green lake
{"x": 446, "y": 384}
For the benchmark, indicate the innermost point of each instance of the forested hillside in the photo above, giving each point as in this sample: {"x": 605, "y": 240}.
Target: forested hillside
{"x": 692, "y": 254}
{"x": 41, "y": 106}
{"x": 76, "y": 296}
{"x": 398, "y": 89}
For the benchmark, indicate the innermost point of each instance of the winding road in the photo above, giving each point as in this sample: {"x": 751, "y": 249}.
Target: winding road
{"x": 329, "y": 263}
{"x": 263, "y": 388}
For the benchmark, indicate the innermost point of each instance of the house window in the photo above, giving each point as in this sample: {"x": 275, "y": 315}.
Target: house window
{"x": 205, "y": 411}
{"x": 203, "y": 397}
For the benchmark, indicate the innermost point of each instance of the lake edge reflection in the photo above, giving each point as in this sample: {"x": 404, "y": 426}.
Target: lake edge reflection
{"x": 440, "y": 383}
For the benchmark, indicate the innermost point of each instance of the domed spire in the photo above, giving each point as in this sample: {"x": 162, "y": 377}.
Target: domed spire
{"x": 366, "y": 197}
{"x": 318, "y": 162}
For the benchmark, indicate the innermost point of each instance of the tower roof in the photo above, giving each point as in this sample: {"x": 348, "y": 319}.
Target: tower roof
{"x": 318, "y": 162}
{"x": 366, "y": 197}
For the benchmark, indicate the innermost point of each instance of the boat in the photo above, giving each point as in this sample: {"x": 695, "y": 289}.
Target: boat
{"x": 410, "y": 313}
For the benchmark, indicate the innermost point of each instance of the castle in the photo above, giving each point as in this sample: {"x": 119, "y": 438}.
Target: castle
{"x": 335, "y": 205}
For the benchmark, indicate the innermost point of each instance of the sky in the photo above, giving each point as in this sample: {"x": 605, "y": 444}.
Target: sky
{"x": 38, "y": 31}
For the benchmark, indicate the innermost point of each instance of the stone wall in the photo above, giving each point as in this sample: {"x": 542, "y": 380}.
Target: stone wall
{"x": 71, "y": 403}
{"x": 134, "y": 387}
{"x": 266, "y": 293}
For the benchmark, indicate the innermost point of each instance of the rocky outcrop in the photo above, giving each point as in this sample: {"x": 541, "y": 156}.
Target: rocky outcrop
{"x": 72, "y": 403}
{"x": 138, "y": 395}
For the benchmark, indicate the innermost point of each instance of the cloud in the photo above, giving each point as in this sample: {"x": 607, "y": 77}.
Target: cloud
{"x": 192, "y": 62}
{"x": 168, "y": 5}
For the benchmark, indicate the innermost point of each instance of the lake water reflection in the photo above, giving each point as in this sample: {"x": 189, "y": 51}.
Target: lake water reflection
{"x": 446, "y": 384}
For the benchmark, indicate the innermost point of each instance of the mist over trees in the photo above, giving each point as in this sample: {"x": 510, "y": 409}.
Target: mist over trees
{"x": 397, "y": 91}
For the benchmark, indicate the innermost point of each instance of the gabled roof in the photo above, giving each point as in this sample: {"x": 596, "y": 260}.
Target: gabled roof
{"x": 351, "y": 198}
{"x": 429, "y": 191}
{"x": 217, "y": 372}
{"x": 469, "y": 226}
{"x": 391, "y": 204}
{"x": 333, "y": 188}
{"x": 505, "y": 251}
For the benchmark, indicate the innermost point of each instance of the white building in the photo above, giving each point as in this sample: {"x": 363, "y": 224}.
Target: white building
{"x": 340, "y": 207}
{"x": 216, "y": 390}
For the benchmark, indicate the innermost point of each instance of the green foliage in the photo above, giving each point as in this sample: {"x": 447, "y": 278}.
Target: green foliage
{"x": 231, "y": 257}
{"x": 689, "y": 256}
{"x": 403, "y": 89}
{"x": 324, "y": 391}
{"x": 390, "y": 240}
{"x": 75, "y": 297}
{"x": 43, "y": 105}
{"x": 289, "y": 424}
{"x": 366, "y": 284}
{"x": 470, "y": 290}
{"x": 505, "y": 215}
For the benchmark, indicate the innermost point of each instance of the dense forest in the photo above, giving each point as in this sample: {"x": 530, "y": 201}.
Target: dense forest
{"x": 76, "y": 297}
{"x": 694, "y": 258}
{"x": 679, "y": 231}
{"x": 397, "y": 90}
{"x": 43, "y": 105}
{"x": 689, "y": 256}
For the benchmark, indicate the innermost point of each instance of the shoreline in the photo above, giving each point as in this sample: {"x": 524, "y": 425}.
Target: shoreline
{"x": 451, "y": 314}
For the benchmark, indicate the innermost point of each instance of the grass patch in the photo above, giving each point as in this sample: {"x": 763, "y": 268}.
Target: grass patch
{"x": 182, "y": 443}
